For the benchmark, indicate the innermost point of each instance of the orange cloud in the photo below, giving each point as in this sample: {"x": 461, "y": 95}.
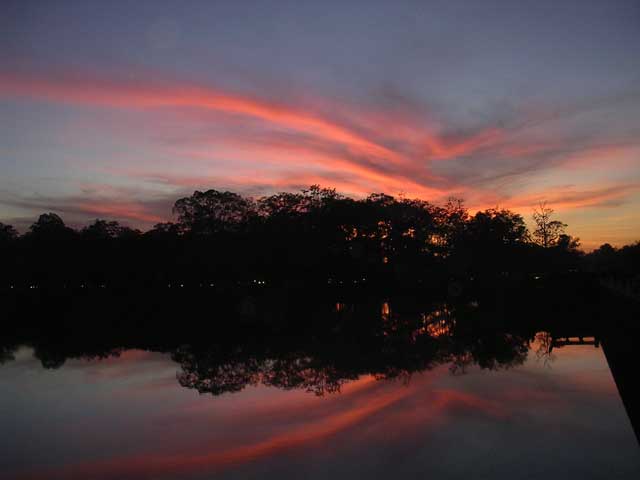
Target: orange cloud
{"x": 569, "y": 197}
{"x": 439, "y": 149}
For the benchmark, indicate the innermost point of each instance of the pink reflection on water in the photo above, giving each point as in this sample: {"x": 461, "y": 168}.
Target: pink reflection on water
{"x": 176, "y": 433}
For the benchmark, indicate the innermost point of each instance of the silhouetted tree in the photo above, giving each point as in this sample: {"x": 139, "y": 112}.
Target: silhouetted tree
{"x": 452, "y": 219}
{"x": 283, "y": 206}
{"x": 547, "y": 232}
{"x": 105, "y": 230}
{"x": 491, "y": 242}
{"x": 164, "y": 230}
{"x": 214, "y": 211}
{"x": 497, "y": 227}
{"x": 50, "y": 227}
{"x": 567, "y": 243}
{"x": 7, "y": 233}
{"x": 608, "y": 259}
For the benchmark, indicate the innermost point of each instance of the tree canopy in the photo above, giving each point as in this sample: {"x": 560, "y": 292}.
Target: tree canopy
{"x": 313, "y": 235}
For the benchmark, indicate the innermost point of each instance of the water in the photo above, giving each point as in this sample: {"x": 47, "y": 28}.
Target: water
{"x": 547, "y": 415}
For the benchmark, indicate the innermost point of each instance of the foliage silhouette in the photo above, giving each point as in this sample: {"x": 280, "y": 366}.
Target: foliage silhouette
{"x": 7, "y": 234}
{"x": 314, "y": 237}
{"x": 550, "y": 233}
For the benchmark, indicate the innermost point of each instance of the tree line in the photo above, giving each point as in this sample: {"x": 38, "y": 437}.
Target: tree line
{"x": 315, "y": 235}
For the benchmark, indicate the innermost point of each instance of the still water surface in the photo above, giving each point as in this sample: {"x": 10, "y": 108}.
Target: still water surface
{"x": 554, "y": 416}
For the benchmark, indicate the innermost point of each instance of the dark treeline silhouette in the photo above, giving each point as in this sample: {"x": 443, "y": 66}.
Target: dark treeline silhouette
{"x": 608, "y": 259}
{"x": 316, "y": 235}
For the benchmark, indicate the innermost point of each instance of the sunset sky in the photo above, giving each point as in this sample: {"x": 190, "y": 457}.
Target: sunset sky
{"x": 116, "y": 109}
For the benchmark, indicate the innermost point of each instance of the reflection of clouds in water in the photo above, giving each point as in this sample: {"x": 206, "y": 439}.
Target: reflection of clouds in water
{"x": 22, "y": 358}
{"x": 125, "y": 364}
{"x": 138, "y": 368}
{"x": 372, "y": 423}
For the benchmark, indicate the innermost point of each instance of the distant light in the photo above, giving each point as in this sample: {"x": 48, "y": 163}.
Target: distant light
{"x": 181, "y": 285}
{"x": 211, "y": 284}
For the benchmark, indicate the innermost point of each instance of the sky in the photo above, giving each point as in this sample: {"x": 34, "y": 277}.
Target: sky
{"x": 116, "y": 109}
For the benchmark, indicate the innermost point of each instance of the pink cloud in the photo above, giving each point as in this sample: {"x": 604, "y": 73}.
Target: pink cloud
{"x": 230, "y": 140}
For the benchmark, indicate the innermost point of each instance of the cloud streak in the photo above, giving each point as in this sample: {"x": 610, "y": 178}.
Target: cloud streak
{"x": 73, "y": 88}
{"x": 250, "y": 143}
{"x": 363, "y": 152}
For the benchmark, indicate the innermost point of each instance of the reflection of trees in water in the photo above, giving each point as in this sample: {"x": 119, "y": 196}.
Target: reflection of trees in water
{"x": 543, "y": 347}
{"x": 396, "y": 347}
{"x": 6, "y": 354}
{"x": 207, "y": 374}
{"x": 53, "y": 355}
{"x": 437, "y": 323}
{"x": 491, "y": 352}
{"x": 317, "y": 347}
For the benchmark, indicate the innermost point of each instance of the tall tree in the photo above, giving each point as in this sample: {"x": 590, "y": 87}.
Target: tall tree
{"x": 548, "y": 231}
{"x": 50, "y": 226}
{"x": 213, "y": 211}
{"x": 497, "y": 227}
{"x": 105, "y": 230}
{"x": 7, "y": 233}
